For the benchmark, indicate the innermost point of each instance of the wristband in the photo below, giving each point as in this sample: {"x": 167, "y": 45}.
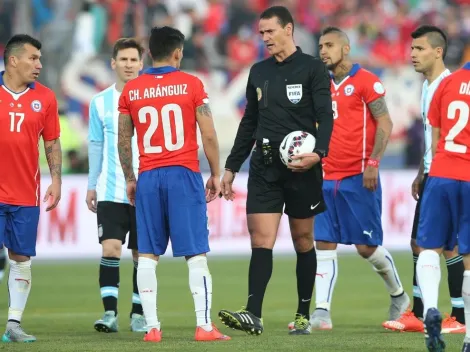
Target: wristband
{"x": 373, "y": 162}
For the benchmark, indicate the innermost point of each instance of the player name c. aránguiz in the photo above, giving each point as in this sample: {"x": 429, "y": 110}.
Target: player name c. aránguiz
{"x": 158, "y": 91}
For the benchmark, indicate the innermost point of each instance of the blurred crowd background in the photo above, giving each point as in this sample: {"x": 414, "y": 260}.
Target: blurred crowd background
{"x": 222, "y": 42}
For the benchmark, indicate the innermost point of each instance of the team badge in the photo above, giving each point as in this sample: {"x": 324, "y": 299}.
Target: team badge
{"x": 36, "y": 105}
{"x": 294, "y": 92}
{"x": 349, "y": 90}
{"x": 259, "y": 93}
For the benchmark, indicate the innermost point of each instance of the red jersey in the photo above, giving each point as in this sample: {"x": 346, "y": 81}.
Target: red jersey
{"x": 24, "y": 118}
{"x": 449, "y": 111}
{"x": 354, "y": 126}
{"x": 162, "y": 104}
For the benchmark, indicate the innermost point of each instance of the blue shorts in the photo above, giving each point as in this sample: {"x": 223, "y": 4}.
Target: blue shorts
{"x": 353, "y": 213}
{"x": 171, "y": 205}
{"x": 19, "y": 228}
{"x": 445, "y": 215}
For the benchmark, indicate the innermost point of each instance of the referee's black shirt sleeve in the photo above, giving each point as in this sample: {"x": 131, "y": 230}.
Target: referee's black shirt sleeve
{"x": 245, "y": 139}
{"x": 322, "y": 104}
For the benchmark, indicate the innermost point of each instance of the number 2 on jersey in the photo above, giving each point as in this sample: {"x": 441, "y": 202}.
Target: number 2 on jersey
{"x": 16, "y": 119}
{"x": 165, "y": 112}
{"x": 464, "y": 112}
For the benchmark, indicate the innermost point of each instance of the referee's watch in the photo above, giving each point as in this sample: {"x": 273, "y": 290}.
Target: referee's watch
{"x": 321, "y": 153}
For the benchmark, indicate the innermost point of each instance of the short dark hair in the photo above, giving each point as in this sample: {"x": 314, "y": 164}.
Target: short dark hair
{"x": 436, "y": 37}
{"x": 17, "y": 43}
{"x": 282, "y": 13}
{"x": 331, "y": 29}
{"x": 164, "y": 41}
{"x": 127, "y": 43}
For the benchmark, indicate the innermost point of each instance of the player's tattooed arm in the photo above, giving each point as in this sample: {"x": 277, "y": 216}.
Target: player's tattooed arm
{"x": 379, "y": 110}
{"x": 54, "y": 158}
{"x": 125, "y": 133}
{"x": 210, "y": 142}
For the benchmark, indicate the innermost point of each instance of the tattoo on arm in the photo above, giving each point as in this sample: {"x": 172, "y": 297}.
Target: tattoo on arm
{"x": 125, "y": 133}
{"x": 378, "y": 107}
{"x": 204, "y": 110}
{"x": 54, "y": 158}
{"x": 381, "y": 140}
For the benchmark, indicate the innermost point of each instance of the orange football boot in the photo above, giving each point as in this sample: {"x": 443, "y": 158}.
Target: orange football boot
{"x": 154, "y": 335}
{"x": 450, "y": 325}
{"x": 213, "y": 335}
{"x": 407, "y": 322}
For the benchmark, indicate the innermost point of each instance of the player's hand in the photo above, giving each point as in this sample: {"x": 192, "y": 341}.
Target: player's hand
{"x": 131, "y": 187}
{"x": 416, "y": 186}
{"x": 371, "y": 178}
{"x": 91, "y": 200}
{"x": 212, "y": 188}
{"x": 303, "y": 162}
{"x": 226, "y": 185}
{"x": 52, "y": 193}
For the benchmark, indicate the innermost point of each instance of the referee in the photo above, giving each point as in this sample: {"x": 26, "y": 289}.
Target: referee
{"x": 288, "y": 92}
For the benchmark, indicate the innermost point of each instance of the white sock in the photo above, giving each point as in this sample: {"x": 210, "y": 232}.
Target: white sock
{"x": 428, "y": 275}
{"x": 327, "y": 273}
{"x": 147, "y": 284}
{"x": 383, "y": 264}
{"x": 466, "y": 300}
{"x": 200, "y": 284}
{"x": 19, "y": 286}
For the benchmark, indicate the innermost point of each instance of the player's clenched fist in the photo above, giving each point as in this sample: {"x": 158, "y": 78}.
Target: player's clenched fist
{"x": 416, "y": 186}
{"x": 371, "y": 178}
{"x": 226, "y": 185}
{"x": 212, "y": 188}
{"x": 131, "y": 187}
{"x": 91, "y": 200}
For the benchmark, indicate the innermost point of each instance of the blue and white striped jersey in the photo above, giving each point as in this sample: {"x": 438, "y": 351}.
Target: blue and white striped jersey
{"x": 105, "y": 167}
{"x": 426, "y": 98}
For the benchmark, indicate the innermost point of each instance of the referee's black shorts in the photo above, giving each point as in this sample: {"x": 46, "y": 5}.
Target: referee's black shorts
{"x": 414, "y": 231}
{"x": 115, "y": 221}
{"x": 275, "y": 189}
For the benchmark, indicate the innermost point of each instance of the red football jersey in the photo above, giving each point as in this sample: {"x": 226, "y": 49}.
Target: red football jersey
{"x": 24, "y": 118}
{"x": 162, "y": 103}
{"x": 450, "y": 111}
{"x": 354, "y": 126}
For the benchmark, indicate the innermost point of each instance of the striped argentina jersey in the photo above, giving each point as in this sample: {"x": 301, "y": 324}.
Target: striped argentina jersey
{"x": 426, "y": 98}
{"x": 103, "y": 130}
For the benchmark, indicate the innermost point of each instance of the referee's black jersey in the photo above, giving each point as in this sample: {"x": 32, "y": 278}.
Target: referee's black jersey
{"x": 283, "y": 97}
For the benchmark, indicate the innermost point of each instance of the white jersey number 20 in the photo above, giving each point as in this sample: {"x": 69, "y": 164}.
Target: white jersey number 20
{"x": 154, "y": 115}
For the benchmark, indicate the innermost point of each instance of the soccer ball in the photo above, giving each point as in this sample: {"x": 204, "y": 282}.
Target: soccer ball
{"x": 297, "y": 142}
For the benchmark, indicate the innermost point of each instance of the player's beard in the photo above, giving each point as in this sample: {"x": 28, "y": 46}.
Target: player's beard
{"x": 332, "y": 66}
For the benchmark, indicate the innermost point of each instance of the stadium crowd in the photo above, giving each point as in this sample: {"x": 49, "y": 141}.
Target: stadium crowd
{"x": 222, "y": 34}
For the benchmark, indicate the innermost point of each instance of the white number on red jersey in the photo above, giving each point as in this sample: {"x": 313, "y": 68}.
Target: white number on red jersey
{"x": 335, "y": 109}
{"x": 16, "y": 119}
{"x": 464, "y": 112}
{"x": 165, "y": 113}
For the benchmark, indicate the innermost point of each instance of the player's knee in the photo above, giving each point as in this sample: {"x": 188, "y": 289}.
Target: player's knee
{"x": 326, "y": 246}
{"x": 414, "y": 247}
{"x": 451, "y": 254}
{"x": 17, "y": 257}
{"x": 365, "y": 251}
{"x": 112, "y": 248}
{"x": 466, "y": 261}
{"x": 302, "y": 242}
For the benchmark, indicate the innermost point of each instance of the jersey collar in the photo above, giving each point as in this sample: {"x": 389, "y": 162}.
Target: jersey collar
{"x": 160, "y": 70}
{"x": 352, "y": 72}
{"x": 30, "y": 85}
{"x": 290, "y": 57}
{"x": 466, "y": 66}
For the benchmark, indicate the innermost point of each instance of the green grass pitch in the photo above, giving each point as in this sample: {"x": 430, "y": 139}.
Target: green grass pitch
{"x": 65, "y": 302}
